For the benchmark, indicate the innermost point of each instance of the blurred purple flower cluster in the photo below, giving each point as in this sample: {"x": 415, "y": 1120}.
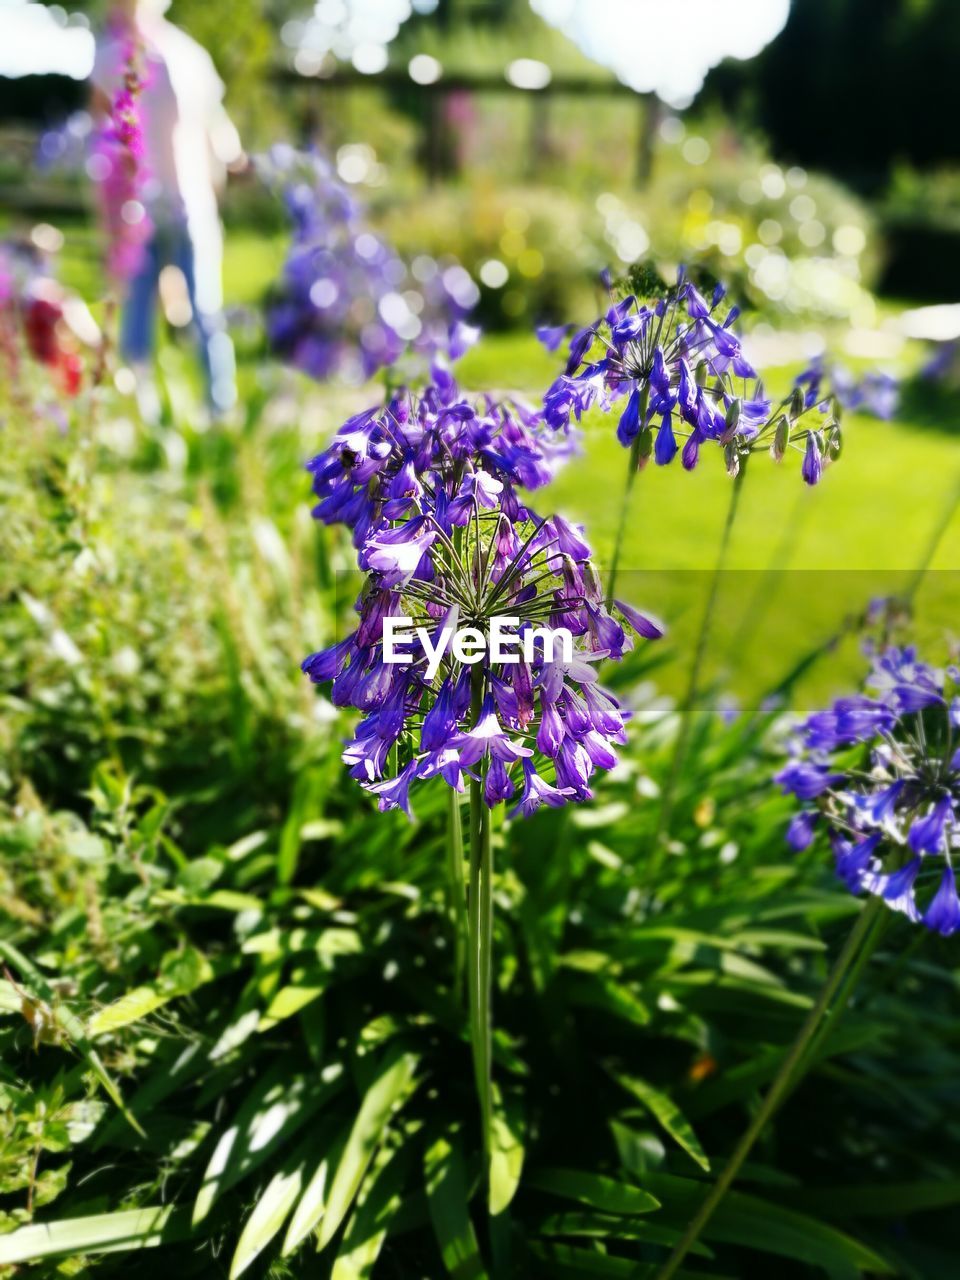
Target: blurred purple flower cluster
{"x": 881, "y": 772}
{"x": 346, "y": 304}
{"x": 431, "y": 486}
{"x": 877, "y": 393}
{"x": 674, "y": 368}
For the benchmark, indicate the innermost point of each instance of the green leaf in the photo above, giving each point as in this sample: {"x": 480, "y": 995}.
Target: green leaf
{"x": 269, "y": 1214}
{"x": 769, "y": 1227}
{"x": 611, "y": 997}
{"x": 71, "y": 1026}
{"x": 605, "y": 1226}
{"x": 668, "y": 1114}
{"x": 593, "y": 1189}
{"x": 390, "y": 1089}
{"x": 447, "y": 1198}
{"x": 377, "y": 1204}
{"x": 186, "y": 972}
{"x": 881, "y": 1200}
{"x": 276, "y": 1107}
{"x": 312, "y": 1204}
{"x": 569, "y": 1263}
{"x": 506, "y": 1156}
{"x": 102, "y": 1232}
{"x": 288, "y": 1002}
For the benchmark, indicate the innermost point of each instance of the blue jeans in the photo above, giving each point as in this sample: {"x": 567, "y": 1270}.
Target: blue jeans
{"x": 171, "y": 245}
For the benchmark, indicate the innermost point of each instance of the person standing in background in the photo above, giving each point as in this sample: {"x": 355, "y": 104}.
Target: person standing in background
{"x": 188, "y": 143}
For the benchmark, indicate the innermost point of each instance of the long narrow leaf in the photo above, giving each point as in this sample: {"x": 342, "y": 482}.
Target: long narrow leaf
{"x": 269, "y": 1215}
{"x": 394, "y": 1084}
{"x": 112, "y": 1232}
{"x": 275, "y": 1109}
{"x": 668, "y": 1114}
{"x": 447, "y": 1197}
{"x": 506, "y": 1156}
{"x": 377, "y": 1204}
{"x": 594, "y": 1190}
{"x": 312, "y": 1204}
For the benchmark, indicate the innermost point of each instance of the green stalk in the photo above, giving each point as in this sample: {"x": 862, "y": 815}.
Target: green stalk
{"x": 872, "y": 940}
{"x": 480, "y": 921}
{"x": 633, "y": 466}
{"x": 770, "y": 576}
{"x": 787, "y": 1075}
{"x": 936, "y": 537}
{"x": 693, "y": 681}
{"x": 456, "y": 887}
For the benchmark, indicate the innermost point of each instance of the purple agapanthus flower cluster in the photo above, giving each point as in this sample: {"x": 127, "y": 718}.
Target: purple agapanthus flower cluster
{"x": 432, "y": 486}
{"x": 674, "y": 369}
{"x": 386, "y": 462}
{"x": 880, "y": 771}
{"x": 346, "y": 303}
{"x": 876, "y": 393}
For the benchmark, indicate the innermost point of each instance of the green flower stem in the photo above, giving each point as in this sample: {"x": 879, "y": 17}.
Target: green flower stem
{"x": 881, "y": 920}
{"x": 693, "y": 681}
{"x": 787, "y": 1075}
{"x": 456, "y": 888}
{"x": 933, "y": 545}
{"x": 480, "y": 921}
{"x": 633, "y": 465}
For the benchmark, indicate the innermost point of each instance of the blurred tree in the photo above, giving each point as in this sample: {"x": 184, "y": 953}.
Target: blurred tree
{"x": 856, "y": 85}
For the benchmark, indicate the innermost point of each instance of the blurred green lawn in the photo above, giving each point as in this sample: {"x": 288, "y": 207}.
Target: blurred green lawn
{"x": 800, "y": 560}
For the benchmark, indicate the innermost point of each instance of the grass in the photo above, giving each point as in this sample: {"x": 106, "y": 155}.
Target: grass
{"x": 800, "y": 560}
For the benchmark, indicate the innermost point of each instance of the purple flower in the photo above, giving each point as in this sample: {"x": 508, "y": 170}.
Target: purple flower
{"x": 927, "y": 833}
{"x": 537, "y": 792}
{"x": 346, "y": 304}
{"x": 943, "y": 913}
{"x": 471, "y": 551}
{"x": 678, "y": 352}
{"x": 644, "y": 624}
{"x": 801, "y": 830}
{"x": 805, "y": 780}
{"x": 812, "y": 468}
{"x": 880, "y": 771}
{"x": 552, "y": 335}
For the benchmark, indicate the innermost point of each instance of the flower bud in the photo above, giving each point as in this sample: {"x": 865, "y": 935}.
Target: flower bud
{"x": 703, "y": 370}
{"x": 645, "y": 449}
{"x": 781, "y": 438}
{"x": 732, "y": 420}
{"x": 797, "y": 405}
{"x": 571, "y": 576}
{"x": 731, "y": 456}
{"x": 592, "y": 586}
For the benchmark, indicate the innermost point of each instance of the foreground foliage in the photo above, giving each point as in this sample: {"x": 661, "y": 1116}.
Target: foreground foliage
{"x": 201, "y": 917}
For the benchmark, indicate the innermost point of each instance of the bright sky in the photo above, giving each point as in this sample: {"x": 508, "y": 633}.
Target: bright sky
{"x": 666, "y": 46}
{"x": 34, "y": 41}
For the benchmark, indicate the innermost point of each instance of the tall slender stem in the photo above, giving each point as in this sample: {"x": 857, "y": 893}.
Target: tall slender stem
{"x": 852, "y": 978}
{"x": 766, "y": 589}
{"x": 693, "y": 680}
{"x": 480, "y": 920}
{"x": 785, "y": 1076}
{"x": 933, "y": 545}
{"x": 633, "y": 464}
{"x": 456, "y": 888}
